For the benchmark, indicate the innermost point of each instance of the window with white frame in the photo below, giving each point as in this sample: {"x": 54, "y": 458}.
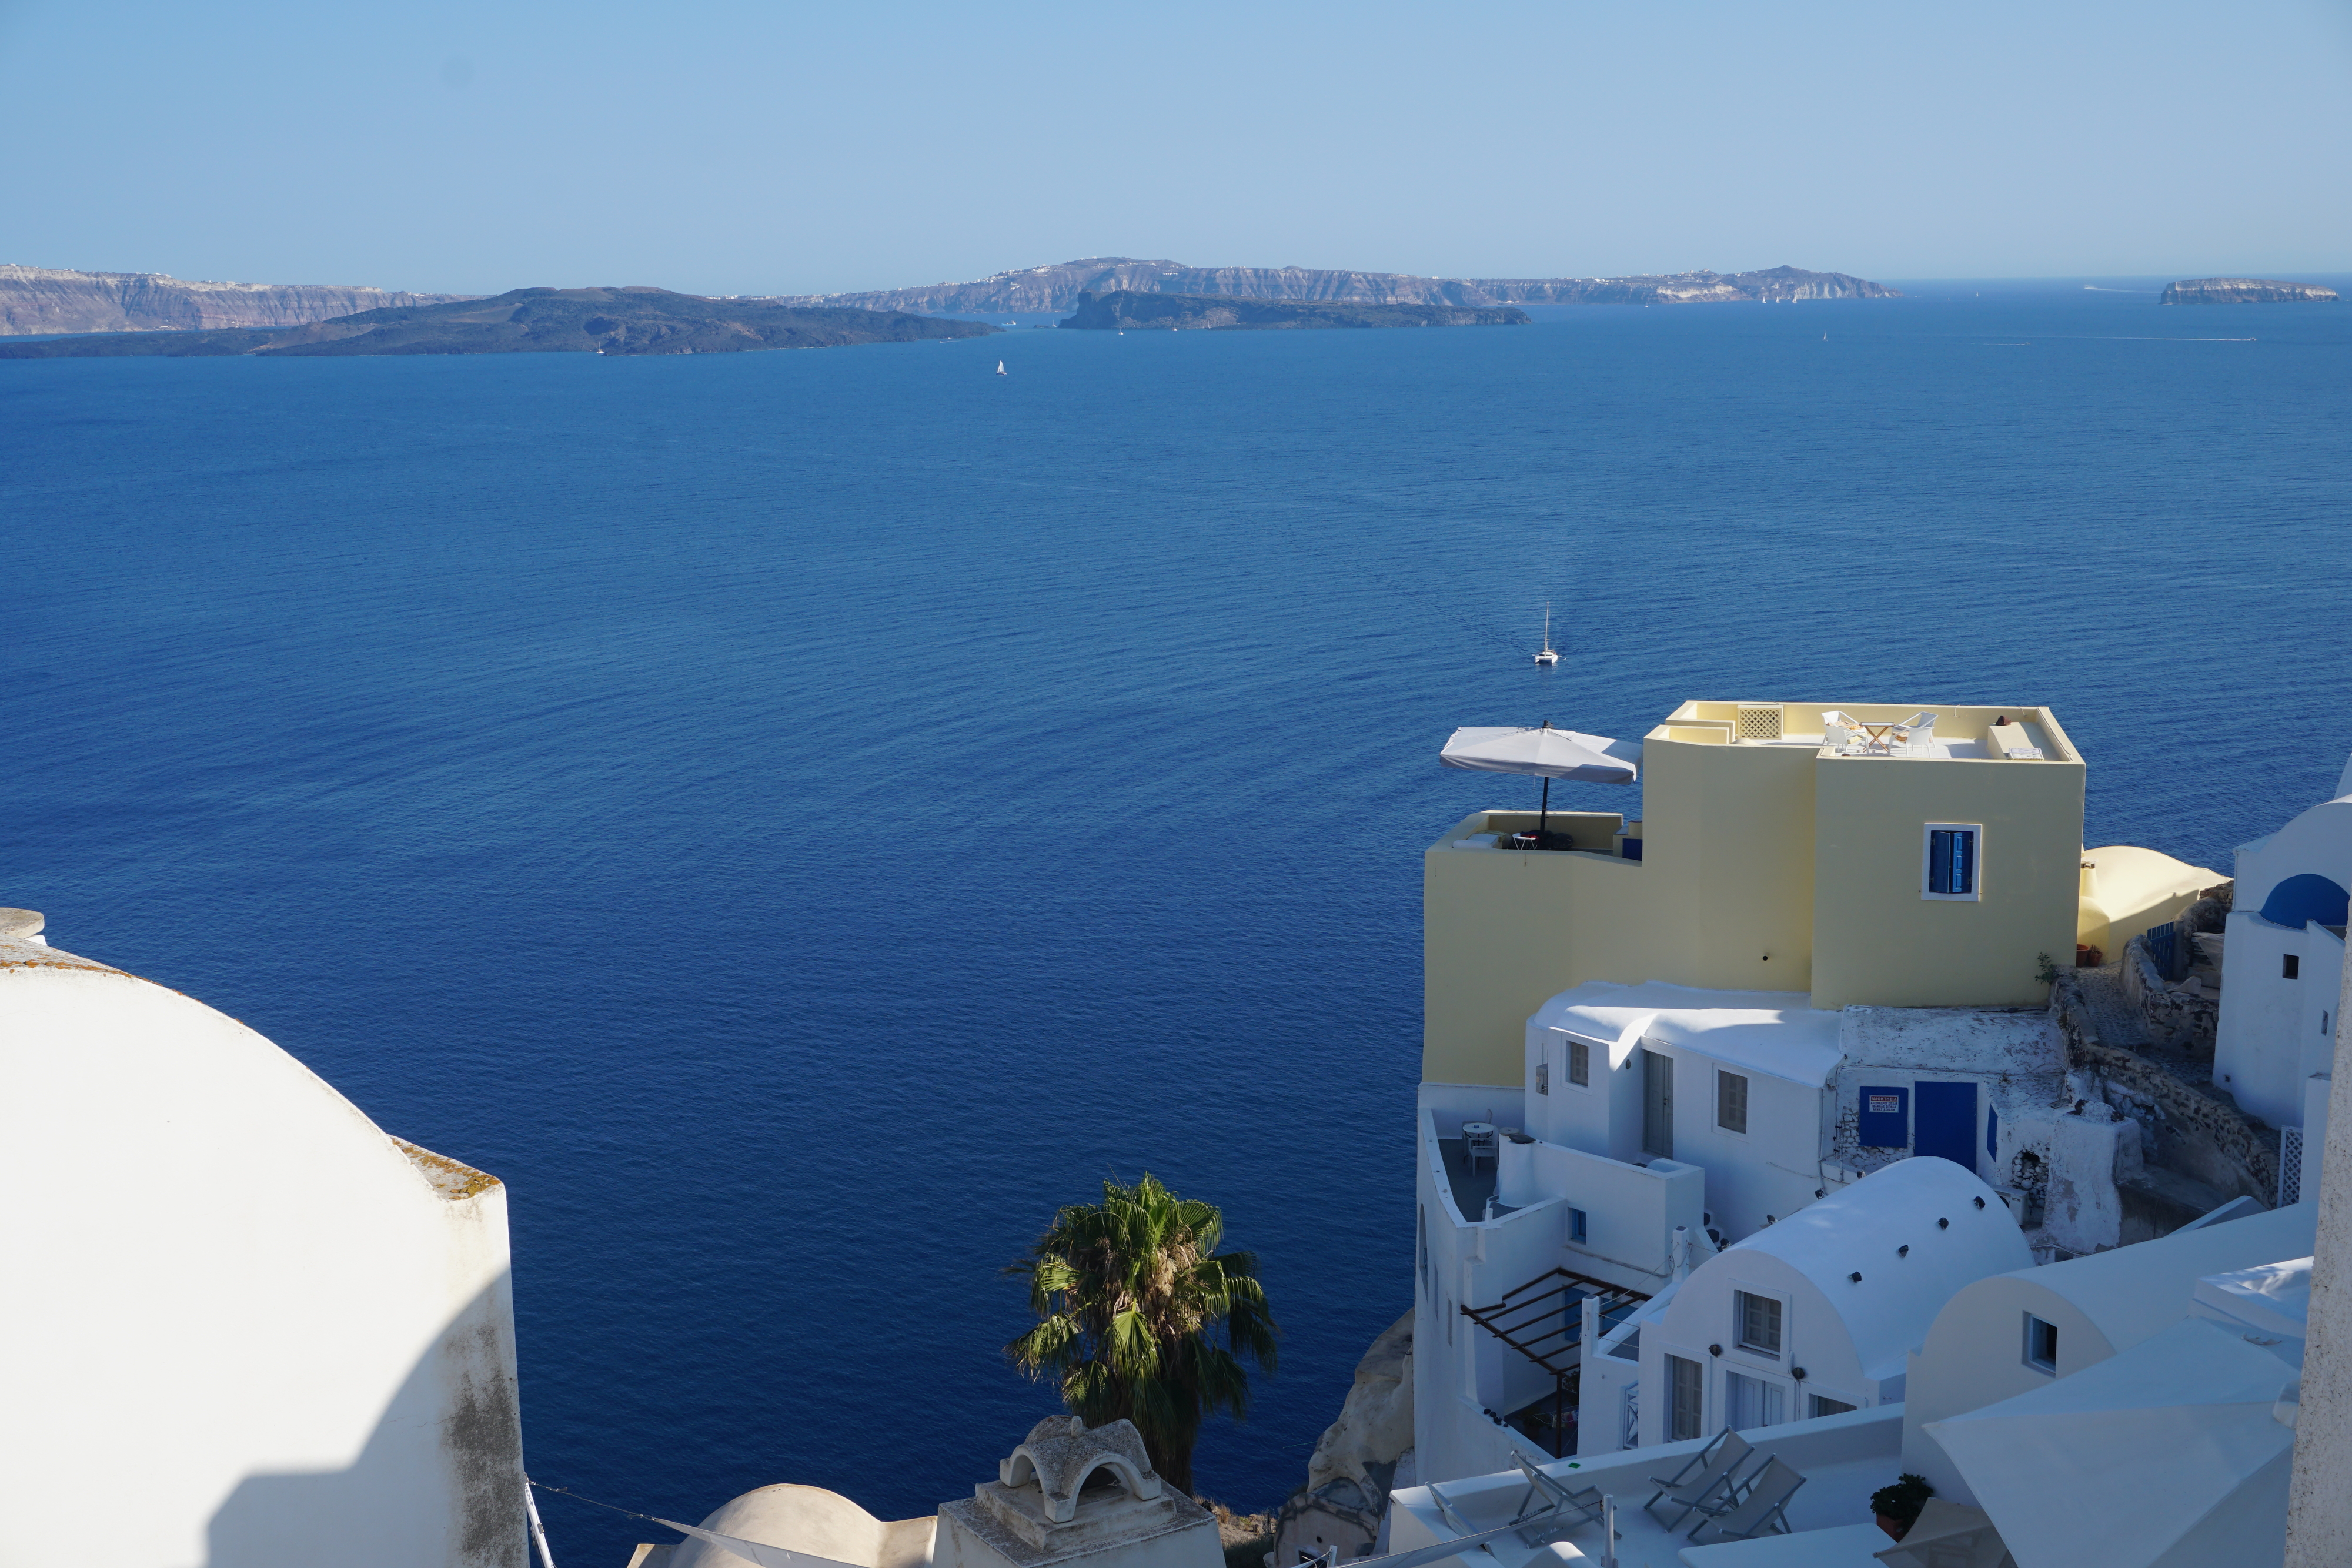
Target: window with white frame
{"x": 1756, "y": 1323}
{"x": 1685, "y": 1402}
{"x": 2040, "y": 1344}
{"x": 1731, "y": 1102}
{"x": 1952, "y": 856}
{"x": 1579, "y": 1063}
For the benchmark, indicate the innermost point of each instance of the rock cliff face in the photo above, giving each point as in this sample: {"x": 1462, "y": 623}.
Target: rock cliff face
{"x": 1216, "y": 313}
{"x": 1357, "y": 1460}
{"x": 2241, "y": 292}
{"x": 1043, "y": 289}
{"x": 48, "y": 299}
{"x": 633, "y": 320}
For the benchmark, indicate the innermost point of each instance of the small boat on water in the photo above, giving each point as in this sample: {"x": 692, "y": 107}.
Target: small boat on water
{"x": 999, "y": 366}
{"x": 1546, "y": 656}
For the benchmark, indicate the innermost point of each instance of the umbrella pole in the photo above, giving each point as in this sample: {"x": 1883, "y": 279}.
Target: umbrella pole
{"x": 1543, "y": 818}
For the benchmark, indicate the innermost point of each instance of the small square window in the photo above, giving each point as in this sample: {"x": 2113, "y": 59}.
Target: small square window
{"x": 2040, "y": 1344}
{"x": 1576, "y": 1227}
{"x": 2291, "y": 968}
{"x": 1950, "y": 863}
{"x": 1543, "y": 1077}
{"x": 1579, "y": 1063}
{"x": 1731, "y": 1102}
{"x": 1759, "y": 1323}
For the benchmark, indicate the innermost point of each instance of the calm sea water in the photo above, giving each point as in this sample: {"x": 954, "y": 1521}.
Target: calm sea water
{"x": 799, "y": 818}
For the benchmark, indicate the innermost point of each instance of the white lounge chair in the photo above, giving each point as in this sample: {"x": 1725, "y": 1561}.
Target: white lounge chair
{"x": 1552, "y": 1505}
{"x": 1704, "y": 1484}
{"x": 1837, "y": 729}
{"x": 1763, "y": 1511}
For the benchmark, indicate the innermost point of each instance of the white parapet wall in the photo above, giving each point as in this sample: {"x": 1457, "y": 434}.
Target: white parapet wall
{"x": 248, "y": 1328}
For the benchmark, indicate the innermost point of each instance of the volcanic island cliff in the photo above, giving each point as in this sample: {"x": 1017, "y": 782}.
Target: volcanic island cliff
{"x": 2243, "y": 292}
{"x": 1039, "y": 289}
{"x": 34, "y": 300}
{"x": 1123, "y": 309}
{"x": 633, "y": 320}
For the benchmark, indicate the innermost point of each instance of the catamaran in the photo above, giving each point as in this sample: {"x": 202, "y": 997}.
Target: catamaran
{"x": 1546, "y": 656}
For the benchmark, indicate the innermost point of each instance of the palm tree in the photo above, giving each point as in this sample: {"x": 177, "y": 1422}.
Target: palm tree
{"x": 1128, "y": 1294}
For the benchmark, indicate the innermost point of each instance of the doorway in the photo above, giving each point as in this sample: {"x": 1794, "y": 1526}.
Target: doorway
{"x": 1944, "y": 1122}
{"x": 1657, "y": 1104}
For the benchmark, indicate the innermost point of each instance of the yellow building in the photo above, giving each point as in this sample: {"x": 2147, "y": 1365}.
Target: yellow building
{"x": 1796, "y": 847}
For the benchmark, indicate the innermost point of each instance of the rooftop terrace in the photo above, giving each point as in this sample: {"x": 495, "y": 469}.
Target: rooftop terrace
{"x": 1875, "y": 729}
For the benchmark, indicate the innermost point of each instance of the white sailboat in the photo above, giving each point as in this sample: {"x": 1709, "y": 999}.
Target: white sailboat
{"x": 999, "y": 366}
{"x": 1547, "y": 656}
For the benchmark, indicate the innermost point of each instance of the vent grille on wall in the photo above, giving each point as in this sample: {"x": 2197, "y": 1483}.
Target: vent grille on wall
{"x": 1759, "y": 721}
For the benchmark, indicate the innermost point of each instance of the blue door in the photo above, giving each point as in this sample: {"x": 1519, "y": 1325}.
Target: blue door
{"x": 1944, "y": 1122}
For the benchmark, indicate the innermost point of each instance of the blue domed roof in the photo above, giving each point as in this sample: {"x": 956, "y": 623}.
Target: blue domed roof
{"x": 2307, "y": 896}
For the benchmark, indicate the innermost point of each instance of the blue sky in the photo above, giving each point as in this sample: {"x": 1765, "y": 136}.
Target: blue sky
{"x": 729, "y": 147}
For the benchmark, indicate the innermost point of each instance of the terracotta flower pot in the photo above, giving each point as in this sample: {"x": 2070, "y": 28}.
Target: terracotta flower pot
{"x": 1893, "y": 1527}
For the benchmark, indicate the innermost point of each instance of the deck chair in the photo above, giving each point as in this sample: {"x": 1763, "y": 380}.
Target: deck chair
{"x": 1552, "y": 1505}
{"x": 1919, "y": 730}
{"x": 1698, "y": 1483}
{"x": 1762, "y": 1511}
{"x": 1837, "y": 730}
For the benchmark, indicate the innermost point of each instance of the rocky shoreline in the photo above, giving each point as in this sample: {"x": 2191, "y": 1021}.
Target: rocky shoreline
{"x": 1126, "y": 308}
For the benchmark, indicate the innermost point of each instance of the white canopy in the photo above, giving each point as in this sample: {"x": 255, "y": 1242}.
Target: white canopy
{"x": 2174, "y": 1439}
{"x": 1546, "y": 753}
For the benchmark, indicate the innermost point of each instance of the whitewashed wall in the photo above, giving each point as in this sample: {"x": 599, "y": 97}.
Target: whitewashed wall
{"x": 2267, "y": 1040}
{"x": 246, "y": 1329}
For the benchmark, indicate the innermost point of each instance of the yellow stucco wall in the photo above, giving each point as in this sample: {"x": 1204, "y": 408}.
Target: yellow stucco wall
{"x": 1877, "y": 941}
{"x": 1765, "y": 867}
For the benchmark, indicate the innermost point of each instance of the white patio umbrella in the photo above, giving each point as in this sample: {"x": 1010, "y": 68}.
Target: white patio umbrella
{"x": 1546, "y": 753}
{"x": 2167, "y": 1456}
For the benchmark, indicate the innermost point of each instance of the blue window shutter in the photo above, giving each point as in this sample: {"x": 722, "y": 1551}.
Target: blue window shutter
{"x": 1952, "y": 860}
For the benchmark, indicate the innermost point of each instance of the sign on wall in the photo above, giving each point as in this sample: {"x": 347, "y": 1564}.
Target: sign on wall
{"x": 1885, "y": 1121}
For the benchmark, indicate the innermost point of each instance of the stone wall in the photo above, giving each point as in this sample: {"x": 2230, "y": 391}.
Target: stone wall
{"x": 2197, "y": 1131}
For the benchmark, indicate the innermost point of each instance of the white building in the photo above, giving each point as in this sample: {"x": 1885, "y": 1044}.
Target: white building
{"x": 1660, "y": 1124}
{"x": 1815, "y": 1315}
{"x": 248, "y": 1328}
{"x": 2013, "y": 1333}
{"x": 2148, "y": 1419}
{"x": 2282, "y": 966}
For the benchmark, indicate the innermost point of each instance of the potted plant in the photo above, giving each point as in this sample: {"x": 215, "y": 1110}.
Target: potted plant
{"x": 1897, "y": 1506}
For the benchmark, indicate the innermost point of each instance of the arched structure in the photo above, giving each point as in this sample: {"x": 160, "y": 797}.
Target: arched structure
{"x": 1040, "y": 1510}
{"x": 249, "y": 1328}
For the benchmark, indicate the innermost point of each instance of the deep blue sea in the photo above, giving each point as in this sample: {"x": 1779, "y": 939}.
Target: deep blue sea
{"x": 799, "y": 818}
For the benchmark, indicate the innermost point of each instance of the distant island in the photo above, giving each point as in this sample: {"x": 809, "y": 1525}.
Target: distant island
{"x": 1055, "y": 288}
{"x": 633, "y": 320}
{"x": 1125, "y": 308}
{"x": 36, "y": 299}
{"x": 2241, "y": 292}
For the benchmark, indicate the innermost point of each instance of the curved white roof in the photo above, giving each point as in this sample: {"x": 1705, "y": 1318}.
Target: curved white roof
{"x": 2136, "y": 1292}
{"x": 1777, "y": 1033}
{"x": 813, "y": 1520}
{"x": 1861, "y": 1229}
